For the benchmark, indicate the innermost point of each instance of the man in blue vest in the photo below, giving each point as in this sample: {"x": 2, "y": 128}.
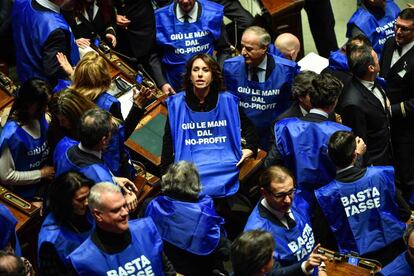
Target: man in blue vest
{"x": 118, "y": 246}
{"x": 262, "y": 81}
{"x": 404, "y": 264}
{"x": 301, "y": 143}
{"x": 287, "y": 219}
{"x": 39, "y": 33}
{"x": 185, "y": 28}
{"x": 95, "y": 132}
{"x": 375, "y": 19}
{"x": 8, "y": 236}
{"x": 362, "y": 207}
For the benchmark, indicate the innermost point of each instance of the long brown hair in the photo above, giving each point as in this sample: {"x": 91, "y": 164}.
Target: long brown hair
{"x": 91, "y": 76}
{"x": 217, "y": 82}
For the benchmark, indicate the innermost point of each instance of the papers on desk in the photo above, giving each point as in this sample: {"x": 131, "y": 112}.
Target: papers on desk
{"x": 126, "y": 103}
{"x": 313, "y": 62}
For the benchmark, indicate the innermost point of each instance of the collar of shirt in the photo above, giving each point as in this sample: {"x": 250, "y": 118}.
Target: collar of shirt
{"x": 49, "y": 5}
{"x": 192, "y": 14}
{"x": 304, "y": 111}
{"x": 95, "y": 10}
{"x": 344, "y": 169}
{"x": 93, "y": 152}
{"x": 368, "y": 84}
{"x": 274, "y": 212}
{"x": 406, "y": 48}
{"x": 261, "y": 74}
{"x": 319, "y": 112}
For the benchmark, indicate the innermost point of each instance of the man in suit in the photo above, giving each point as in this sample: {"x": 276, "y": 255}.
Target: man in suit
{"x": 301, "y": 142}
{"x": 39, "y": 33}
{"x": 364, "y": 211}
{"x": 397, "y": 67}
{"x": 185, "y": 28}
{"x": 287, "y": 219}
{"x": 262, "y": 81}
{"x": 364, "y": 106}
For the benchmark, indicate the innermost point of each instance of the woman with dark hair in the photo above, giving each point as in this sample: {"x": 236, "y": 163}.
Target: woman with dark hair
{"x": 24, "y": 149}
{"x": 68, "y": 224}
{"x": 203, "y": 126}
{"x": 194, "y": 239}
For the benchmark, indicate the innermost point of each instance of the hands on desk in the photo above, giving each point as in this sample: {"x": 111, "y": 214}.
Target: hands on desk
{"x": 130, "y": 192}
{"x": 83, "y": 42}
{"x": 314, "y": 259}
{"x": 140, "y": 96}
{"x": 245, "y": 154}
{"x": 111, "y": 39}
{"x": 167, "y": 89}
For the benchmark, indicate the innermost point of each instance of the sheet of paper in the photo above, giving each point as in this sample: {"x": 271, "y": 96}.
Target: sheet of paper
{"x": 313, "y": 62}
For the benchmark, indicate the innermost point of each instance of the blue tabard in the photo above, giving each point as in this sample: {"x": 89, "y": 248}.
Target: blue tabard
{"x": 211, "y": 140}
{"x": 180, "y": 41}
{"x": 303, "y": 146}
{"x": 292, "y": 245}
{"x": 142, "y": 257}
{"x": 262, "y": 102}
{"x": 31, "y": 28}
{"x": 191, "y": 226}
{"x": 112, "y": 154}
{"x": 61, "y": 84}
{"x": 8, "y": 229}
{"x": 27, "y": 152}
{"x": 338, "y": 61}
{"x": 63, "y": 239}
{"x": 98, "y": 172}
{"x": 399, "y": 267}
{"x": 271, "y": 49}
{"x": 377, "y": 31}
{"x": 362, "y": 214}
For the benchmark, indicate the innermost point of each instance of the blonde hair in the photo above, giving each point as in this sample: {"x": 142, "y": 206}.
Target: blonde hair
{"x": 91, "y": 77}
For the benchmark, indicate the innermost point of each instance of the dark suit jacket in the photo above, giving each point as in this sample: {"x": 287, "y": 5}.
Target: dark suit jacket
{"x": 364, "y": 113}
{"x": 291, "y": 270}
{"x": 400, "y": 90}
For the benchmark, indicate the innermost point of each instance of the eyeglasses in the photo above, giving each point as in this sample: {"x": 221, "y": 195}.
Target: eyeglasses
{"x": 282, "y": 195}
{"x": 403, "y": 28}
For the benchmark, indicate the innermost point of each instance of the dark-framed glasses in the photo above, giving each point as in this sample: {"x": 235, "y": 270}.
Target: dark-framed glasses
{"x": 282, "y": 195}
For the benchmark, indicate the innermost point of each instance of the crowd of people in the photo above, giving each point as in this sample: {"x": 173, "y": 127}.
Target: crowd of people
{"x": 338, "y": 172}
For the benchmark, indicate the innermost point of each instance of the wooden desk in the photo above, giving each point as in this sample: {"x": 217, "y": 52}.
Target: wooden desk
{"x": 286, "y": 18}
{"x": 5, "y": 99}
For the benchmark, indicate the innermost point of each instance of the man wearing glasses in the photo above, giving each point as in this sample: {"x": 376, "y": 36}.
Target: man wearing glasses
{"x": 397, "y": 67}
{"x": 289, "y": 222}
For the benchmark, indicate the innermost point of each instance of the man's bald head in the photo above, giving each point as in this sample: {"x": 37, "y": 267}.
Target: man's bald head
{"x": 288, "y": 44}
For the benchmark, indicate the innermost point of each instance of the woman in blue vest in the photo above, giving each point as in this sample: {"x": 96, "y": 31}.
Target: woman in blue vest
{"x": 67, "y": 108}
{"x": 203, "y": 127}
{"x": 68, "y": 224}
{"x": 24, "y": 149}
{"x": 194, "y": 240}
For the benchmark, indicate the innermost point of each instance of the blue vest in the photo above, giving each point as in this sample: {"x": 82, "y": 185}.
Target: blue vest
{"x": 142, "y": 257}
{"x": 180, "y": 41}
{"x": 191, "y": 226}
{"x": 262, "y": 102}
{"x": 98, "y": 172}
{"x": 399, "y": 267}
{"x": 303, "y": 146}
{"x": 31, "y": 28}
{"x": 362, "y": 214}
{"x": 63, "y": 239}
{"x": 61, "y": 84}
{"x": 271, "y": 49}
{"x": 8, "y": 229}
{"x": 27, "y": 152}
{"x": 338, "y": 61}
{"x": 377, "y": 31}
{"x": 211, "y": 140}
{"x": 292, "y": 245}
{"x": 112, "y": 155}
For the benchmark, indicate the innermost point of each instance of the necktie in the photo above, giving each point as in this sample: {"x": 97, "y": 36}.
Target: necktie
{"x": 186, "y": 18}
{"x": 90, "y": 12}
{"x": 290, "y": 222}
{"x": 254, "y": 75}
{"x": 399, "y": 50}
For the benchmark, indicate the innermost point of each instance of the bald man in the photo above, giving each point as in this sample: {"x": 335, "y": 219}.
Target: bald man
{"x": 288, "y": 45}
